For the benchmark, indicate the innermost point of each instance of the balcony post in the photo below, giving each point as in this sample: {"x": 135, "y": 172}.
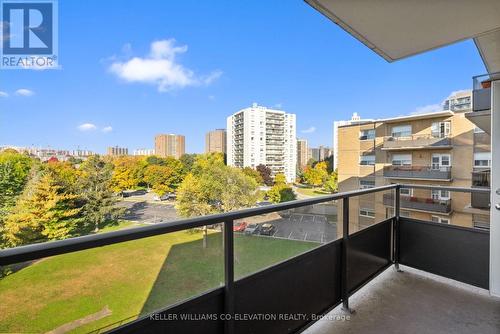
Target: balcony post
{"x": 397, "y": 209}
{"x": 228, "y": 235}
{"x": 345, "y": 247}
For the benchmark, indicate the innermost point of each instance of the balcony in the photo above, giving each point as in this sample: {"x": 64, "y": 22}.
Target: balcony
{"x": 416, "y": 142}
{"x": 481, "y": 101}
{"x": 320, "y": 278}
{"x": 420, "y": 204}
{"x": 481, "y": 180}
{"x": 418, "y": 172}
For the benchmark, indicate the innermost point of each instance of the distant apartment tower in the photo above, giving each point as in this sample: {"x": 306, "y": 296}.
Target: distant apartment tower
{"x": 302, "y": 153}
{"x": 259, "y": 135}
{"x": 441, "y": 148}
{"x": 144, "y": 152}
{"x": 355, "y": 119}
{"x": 170, "y": 145}
{"x": 215, "y": 141}
{"x": 117, "y": 151}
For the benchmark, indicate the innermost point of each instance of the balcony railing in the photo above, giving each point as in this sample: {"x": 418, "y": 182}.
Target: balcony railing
{"x": 328, "y": 274}
{"x": 418, "y": 172}
{"x": 417, "y": 141}
{"x": 481, "y": 94}
{"x": 421, "y": 204}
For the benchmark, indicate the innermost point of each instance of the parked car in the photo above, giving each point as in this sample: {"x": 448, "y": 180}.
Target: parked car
{"x": 264, "y": 203}
{"x": 130, "y": 193}
{"x": 252, "y": 228}
{"x": 239, "y": 226}
{"x": 267, "y": 229}
{"x": 165, "y": 197}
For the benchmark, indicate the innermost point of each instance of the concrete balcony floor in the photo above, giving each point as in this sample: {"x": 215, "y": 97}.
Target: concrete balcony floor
{"x": 415, "y": 302}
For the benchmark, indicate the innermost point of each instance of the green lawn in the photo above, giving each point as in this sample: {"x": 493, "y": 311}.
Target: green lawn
{"x": 130, "y": 278}
{"x": 311, "y": 191}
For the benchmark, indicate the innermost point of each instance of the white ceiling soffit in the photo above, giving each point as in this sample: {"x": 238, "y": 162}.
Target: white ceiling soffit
{"x": 489, "y": 48}
{"x": 398, "y": 29}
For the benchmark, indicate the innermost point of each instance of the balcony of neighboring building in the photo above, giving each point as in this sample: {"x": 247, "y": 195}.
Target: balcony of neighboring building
{"x": 481, "y": 180}
{"x": 441, "y": 173}
{"x": 417, "y": 142}
{"x": 442, "y": 206}
{"x": 481, "y": 101}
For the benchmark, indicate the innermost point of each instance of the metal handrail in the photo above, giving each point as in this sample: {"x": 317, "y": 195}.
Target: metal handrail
{"x": 41, "y": 250}
{"x": 418, "y": 136}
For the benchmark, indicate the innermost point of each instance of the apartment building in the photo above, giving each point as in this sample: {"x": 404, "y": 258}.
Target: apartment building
{"x": 144, "y": 152}
{"x": 259, "y": 135}
{"x": 170, "y": 145}
{"x": 215, "y": 141}
{"x": 116, "y": 151}
{"x": 355, "y": 119}
{"x": 442, "y": 148}
{"x": 302, "y": 153}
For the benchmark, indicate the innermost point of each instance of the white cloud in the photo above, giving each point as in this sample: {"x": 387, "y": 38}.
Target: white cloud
{"x": 87, "y": 127}
{"x": 161, "y": 68}
{"x": 3, "y": 94}
{"x": 310, "y": 129}
{"x": 430, "y": 108}
{"x": 24, "y": 92}
{"x": 278, "y": 105}
{"x": 107, "y": 129}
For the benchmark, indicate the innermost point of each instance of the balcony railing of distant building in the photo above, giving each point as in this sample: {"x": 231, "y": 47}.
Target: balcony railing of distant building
{"x": 328, "y": 274}
{"x": 481, "y": 93}
{"x": 418, "y": 172}
{"x": 481, "y": 180}
{"x": 417, "y": 141}
{"x": 420, "y": 204}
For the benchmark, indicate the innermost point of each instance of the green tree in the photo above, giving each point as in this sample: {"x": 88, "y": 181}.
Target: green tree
{"x": 281, "y": 193}
{"x": 265, "y": 173}
{"x": 163, "y": 179}
{"x": 95, "y": 189}
{"x": 331, "y": 182}
{"x": 188, "y": 161}
{"x": 213, "y": 187}
{"x": 253, "y": 174}
{"x": 280, "y": 179}
{"x": 14, "y": 171}
{"x": 45, "y": 211}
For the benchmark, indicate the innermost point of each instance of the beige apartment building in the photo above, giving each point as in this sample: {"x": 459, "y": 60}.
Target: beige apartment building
{"x": 117, "y": 151}
{"x": 442, "y": 148}
{"x": 302, "y": 154}
{"x": 215, "y": 141}
{"x": 170, "y": 145}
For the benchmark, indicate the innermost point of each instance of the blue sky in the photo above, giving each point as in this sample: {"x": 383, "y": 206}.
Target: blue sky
{"x": 211, "y": 58}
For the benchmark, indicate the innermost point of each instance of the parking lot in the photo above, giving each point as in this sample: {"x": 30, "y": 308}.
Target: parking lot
{"x": 149, "y": 213}
{"x": 303, "y": 227}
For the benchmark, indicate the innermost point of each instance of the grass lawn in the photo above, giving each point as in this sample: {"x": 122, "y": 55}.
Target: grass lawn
{"x": 130, "y": 278}
{"x": 312, "y": 191}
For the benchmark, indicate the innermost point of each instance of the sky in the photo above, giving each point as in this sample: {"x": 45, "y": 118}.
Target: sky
{"x": 133, "y": 69}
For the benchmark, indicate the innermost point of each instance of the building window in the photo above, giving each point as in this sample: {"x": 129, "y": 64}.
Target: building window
{"x": 367, "y": 160}
{"x": 482, "y": 159}
{"x": 366, "y": 184}
{"x": 401, "y": 159}
{"x": 441, "y": 162}
{"x": 437, "y": 219}
{"x": 367, "y": 212}
{"x": 402, "y": 213}
{"x": 442, "y": 195}
{"x": 478, "y": 130}
{"x": 441, "y": 129}
{"x": 401, "y": 131}
{"x": 406, "y": 191}
{"x": 367, "y": 134}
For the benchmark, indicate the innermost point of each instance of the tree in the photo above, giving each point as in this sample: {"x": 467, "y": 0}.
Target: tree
{"x": 213, "y": 187}
{"x": 188, "y": 161}
{"x": 45, "y": 211}
{"x": 165, "y": 178}
{"x": 280, "y": 179}
{"x": 330, "y": 185}
{"x": 100, "y": 204}
{"x": 253, "y": 174}
{"x": 265, "y": 173}
{"x": 315, "y": 176}
{"x": 281, "y": 193}
{"x": 128, "y": 172}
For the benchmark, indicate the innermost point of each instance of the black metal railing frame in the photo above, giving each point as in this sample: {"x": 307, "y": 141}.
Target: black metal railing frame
{"x": 37, "y": 251}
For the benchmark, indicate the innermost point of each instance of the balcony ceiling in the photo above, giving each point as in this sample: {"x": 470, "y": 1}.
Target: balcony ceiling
{"x": 399, "y": 29}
